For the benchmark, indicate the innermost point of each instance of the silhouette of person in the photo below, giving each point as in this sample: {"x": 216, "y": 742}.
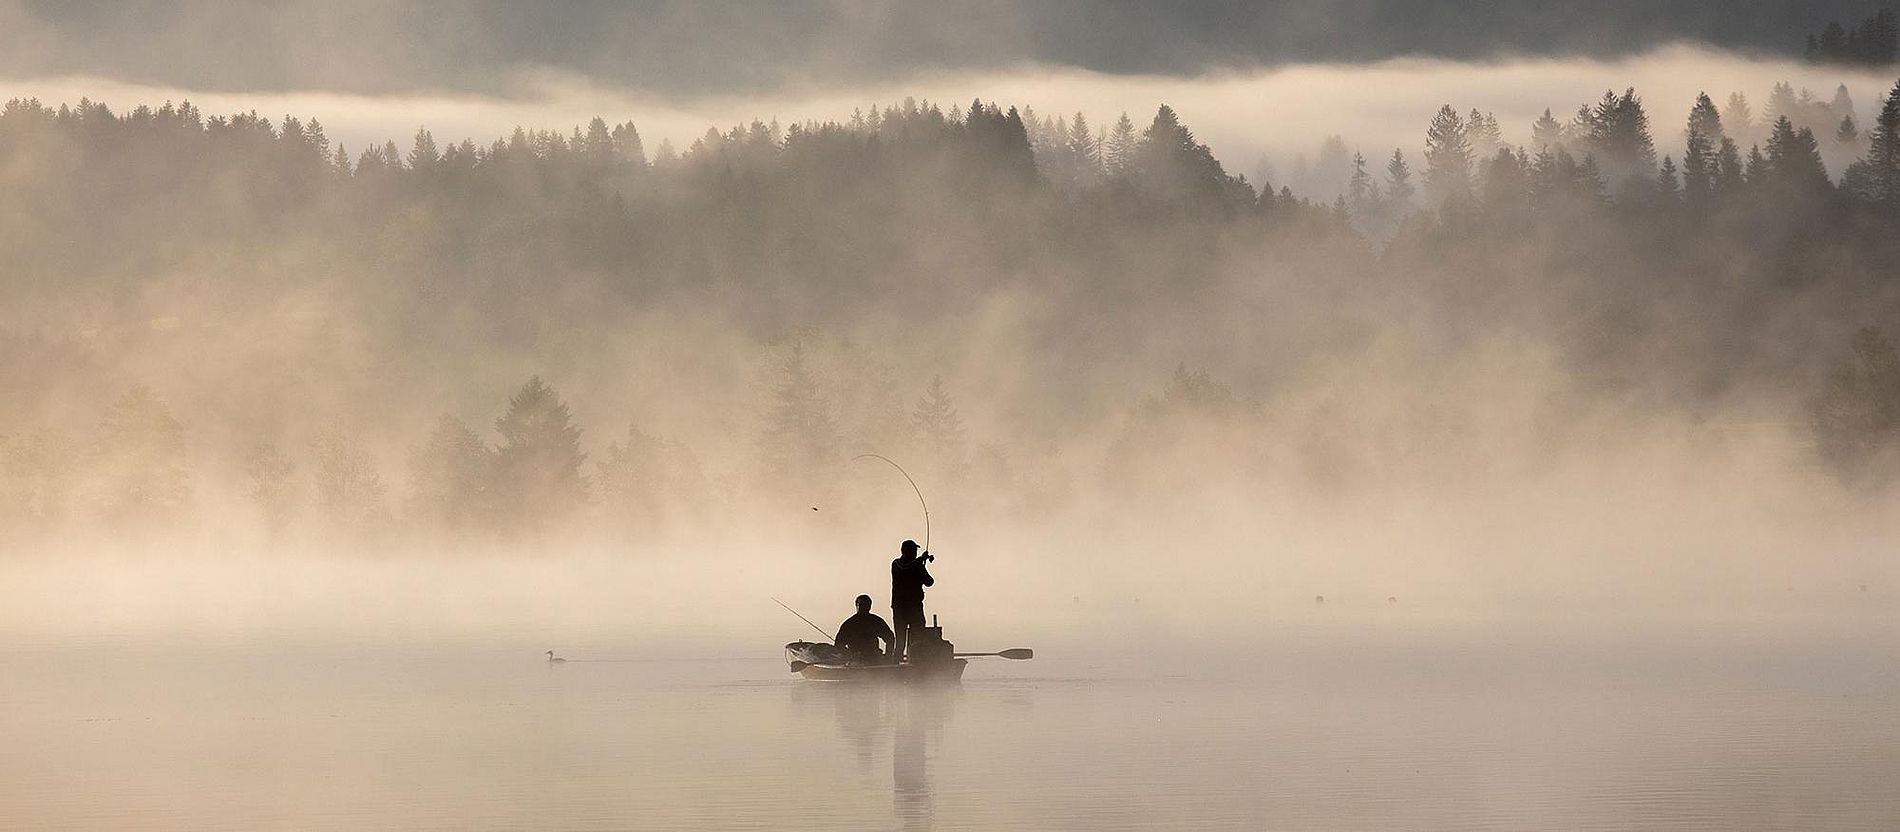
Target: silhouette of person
{"x": 908, "y": 579}
{"x": 859, "y": 635}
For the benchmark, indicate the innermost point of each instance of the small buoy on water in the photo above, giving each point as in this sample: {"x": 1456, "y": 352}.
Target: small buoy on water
{"x": 1319, "y": 599}
{"x": 1391, "y": 599}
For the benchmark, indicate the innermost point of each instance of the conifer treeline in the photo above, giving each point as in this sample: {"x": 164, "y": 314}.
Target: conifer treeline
{"x": 454, "y": 258}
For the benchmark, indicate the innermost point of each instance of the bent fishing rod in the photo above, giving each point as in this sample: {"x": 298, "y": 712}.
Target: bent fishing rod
{"x": 913, "y": 487}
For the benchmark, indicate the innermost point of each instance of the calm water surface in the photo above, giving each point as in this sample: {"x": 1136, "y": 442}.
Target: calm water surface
{"x": 1326, "y": 735}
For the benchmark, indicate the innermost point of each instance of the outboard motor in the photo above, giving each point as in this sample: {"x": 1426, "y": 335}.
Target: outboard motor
{"x": 927, "y": 646}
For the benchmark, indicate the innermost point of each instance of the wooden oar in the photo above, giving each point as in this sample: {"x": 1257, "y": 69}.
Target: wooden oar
{"x": 1012, "y": 653}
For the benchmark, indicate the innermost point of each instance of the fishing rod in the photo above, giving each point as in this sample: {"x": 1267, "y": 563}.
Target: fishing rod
{"x": 913, "y": 487}
{"x": 821, "y": 630}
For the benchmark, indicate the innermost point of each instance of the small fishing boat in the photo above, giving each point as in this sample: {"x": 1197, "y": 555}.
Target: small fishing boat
{"x": 929, "y": 658}
{"x": 826, "y": 663}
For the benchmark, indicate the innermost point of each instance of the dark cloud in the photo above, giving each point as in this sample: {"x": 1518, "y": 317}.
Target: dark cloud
{"x": 696, "y": 48}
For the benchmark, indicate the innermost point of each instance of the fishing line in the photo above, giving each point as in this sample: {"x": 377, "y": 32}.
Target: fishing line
{"x": 913, "y": 487}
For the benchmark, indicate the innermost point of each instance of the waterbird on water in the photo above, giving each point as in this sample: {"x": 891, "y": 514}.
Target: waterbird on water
{"x": 554, "y": 658}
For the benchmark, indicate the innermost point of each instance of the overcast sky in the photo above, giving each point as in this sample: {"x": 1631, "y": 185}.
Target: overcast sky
{"x": 1258, "y": 80}
{"x": 692, "y": 49}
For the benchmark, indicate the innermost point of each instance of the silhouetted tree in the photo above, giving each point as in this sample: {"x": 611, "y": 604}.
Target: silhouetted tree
{"x": 1794, "y": 159}
{"x": 139, "y": 461}
{"x": 1547, "y": 132}
{"x": 1398, "y": 184}
{"x": 450, "y": 477}
{"x": 1118, "y": 151}
{"x": 801, "y": 435}
{"x": 538, "y": 465}
{"x": 423, "y": 154}
{"x": 1878, "y": 178}
{"x": 1704, "y": 120}
{"x": 1447, "y": 156}
{"x": 939, "y": 429}
{"x": 1857, "y": 415}
{"x": 644, "y": 479}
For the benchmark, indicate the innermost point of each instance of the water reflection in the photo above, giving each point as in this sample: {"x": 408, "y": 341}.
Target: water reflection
{"x": 911, "y": 719}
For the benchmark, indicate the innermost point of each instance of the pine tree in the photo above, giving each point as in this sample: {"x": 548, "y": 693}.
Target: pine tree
{"x": 1730, "y": 175}
{"x": 1704, "y": 119}
{"x": 939, "y": 429}
{"x": 1856, "y": 418}
{"x": 1118, "y": 153}
{"x": 1667, "y": 187}
{"x": 1794, "y": 158}
{"x": 1170, "y": 166}
{"x": 1398, "y": 183}
{"x": 1738, "y": 119}
{"x": 1362, "y": 192}
{"x": 538, "y": 476}
{"x": 423, "y": 156}
{"x": 1085, "y": 153}
{"x": 1547, "y": 132}
{"x": 801, "y": 436}
{"x": 139, "y": 461}
{"x": 598, "y": 147}
{"x": 1482, "y": 134}
{"x": 1698, "y": 168}
{"x": 1447, "y": 156}
{"x": 1755, "y": 171}
{"x": 1883, "y": 154}
{"x": 643, "y": 476}
{"x": 1507, "y": 188}
{"x": 450, "y": 476}
{"x": 628, "y": 144}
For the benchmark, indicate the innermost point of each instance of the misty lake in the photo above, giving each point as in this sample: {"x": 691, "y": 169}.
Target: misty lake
{"x": 1320, "y": 732}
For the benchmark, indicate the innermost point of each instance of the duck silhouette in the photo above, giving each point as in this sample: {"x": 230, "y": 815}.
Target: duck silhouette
{"x": 553, "y": 658}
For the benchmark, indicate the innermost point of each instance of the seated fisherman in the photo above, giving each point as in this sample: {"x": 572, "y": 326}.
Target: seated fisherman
{"x": 858, "y": 636}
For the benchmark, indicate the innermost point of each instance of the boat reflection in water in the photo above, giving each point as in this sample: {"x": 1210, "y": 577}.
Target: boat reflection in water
{"x": 911, "y": 719}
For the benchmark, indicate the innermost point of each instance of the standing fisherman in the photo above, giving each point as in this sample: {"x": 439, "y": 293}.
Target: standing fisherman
{"x": 908, "y": 579}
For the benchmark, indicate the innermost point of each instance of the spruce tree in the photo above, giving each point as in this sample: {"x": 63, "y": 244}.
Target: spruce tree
{"x": 1698, "y": 168}
{"x": 1447, "y": 156}
{"x": 140, "y": 465}
{"x": 450, "y": 476}
{"x": 1730, "y": 175}
{"x": 1546, "y": 132}
{"x": 939, "y": 430}
{"x": 801, "y": 436}
{"x": 1362, "y": 192}
{"x": 1118, "y": 152}
{"x": 1398, "y": 183}
{"x": 1738, "y": 119}
{"x": 1883, "y": 153}
{"x": 1794, "y": 158}
{"x": 1085, "y": 154}
{"x": 1704, "y": 119}
{"x": 423, "y": 155}
{"x": 1667, "y": 187}
{"x": 538, "y": 466}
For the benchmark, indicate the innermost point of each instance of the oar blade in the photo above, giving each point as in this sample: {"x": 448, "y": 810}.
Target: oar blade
{"x": 1018, "y": 653}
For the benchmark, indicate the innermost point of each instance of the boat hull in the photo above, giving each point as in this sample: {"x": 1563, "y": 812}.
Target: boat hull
{"x": 822, "y": 663}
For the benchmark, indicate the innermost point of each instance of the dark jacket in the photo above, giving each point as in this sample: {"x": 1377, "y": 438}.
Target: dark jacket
{"x": 859, "y": 635}
{"x": 908, "y": 579}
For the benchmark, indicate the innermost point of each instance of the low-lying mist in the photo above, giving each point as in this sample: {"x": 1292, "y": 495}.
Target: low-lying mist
{"x": 263, "y": 377}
